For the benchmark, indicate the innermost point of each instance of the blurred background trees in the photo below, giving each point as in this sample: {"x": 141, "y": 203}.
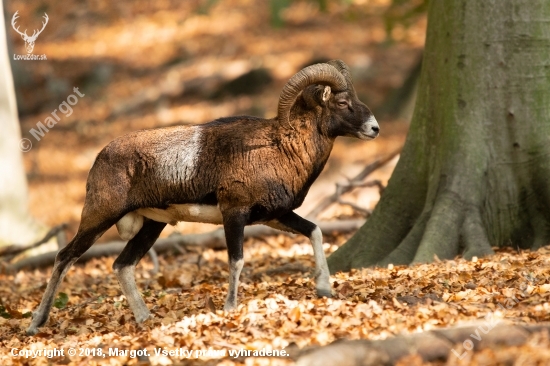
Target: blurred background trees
{"x": 16, "y": 224}
{"x": 151, "y": 64}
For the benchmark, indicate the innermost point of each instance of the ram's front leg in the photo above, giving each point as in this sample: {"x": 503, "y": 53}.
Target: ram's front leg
{"x": 294, "y": 223}
{"x": 322, "y": 274}
{"x": 234, "y": 222}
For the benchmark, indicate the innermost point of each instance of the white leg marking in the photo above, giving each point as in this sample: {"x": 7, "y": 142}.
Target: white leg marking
{"x": 321, "y": 266}
{"x": 127, "y": 282}
{"x": 129, "y": 225}
{"x": 235, "y": 269}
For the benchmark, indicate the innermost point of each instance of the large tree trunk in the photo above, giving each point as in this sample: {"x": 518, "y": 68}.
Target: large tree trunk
{"x": 16, "y": 226}
{"x": 475, "y": 169}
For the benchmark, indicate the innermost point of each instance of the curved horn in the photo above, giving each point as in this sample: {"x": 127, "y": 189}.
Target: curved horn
{"x": 315, "y": 74}
{"x": 343, "y": 68}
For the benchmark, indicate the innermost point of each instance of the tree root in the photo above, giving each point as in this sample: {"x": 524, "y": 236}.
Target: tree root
{"x": 406, "y": 251}
{"x": 441, "y": 235}
{"x": 474, "y": 236}
{"x": 446, "y": 226}
{"x": 437, "y": 232}
{"x": 433, "y": 346}
{"x": 540, "y": 228}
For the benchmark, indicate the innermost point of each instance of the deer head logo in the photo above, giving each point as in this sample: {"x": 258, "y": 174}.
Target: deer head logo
{"x": 29, "y": 40}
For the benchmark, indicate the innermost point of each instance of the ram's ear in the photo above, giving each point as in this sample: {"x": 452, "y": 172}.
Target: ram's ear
{"x": 326, "y": 94}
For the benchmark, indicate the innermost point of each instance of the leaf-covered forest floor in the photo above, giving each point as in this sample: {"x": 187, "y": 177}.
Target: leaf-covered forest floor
{"x": 276, "y": 309}
{"x": 146, "y": 64}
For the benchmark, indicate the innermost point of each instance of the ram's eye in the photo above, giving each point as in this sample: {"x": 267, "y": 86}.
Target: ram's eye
{"x": 342, "y": 103}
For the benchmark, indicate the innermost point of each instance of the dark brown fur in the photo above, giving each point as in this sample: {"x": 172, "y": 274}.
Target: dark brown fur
{"x": 246, "y": 161}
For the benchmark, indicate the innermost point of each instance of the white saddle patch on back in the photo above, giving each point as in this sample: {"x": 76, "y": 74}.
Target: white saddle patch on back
{"x": 129, "y": 225}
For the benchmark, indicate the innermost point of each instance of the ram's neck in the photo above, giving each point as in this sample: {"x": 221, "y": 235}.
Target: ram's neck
{"x": 308, "y": 151}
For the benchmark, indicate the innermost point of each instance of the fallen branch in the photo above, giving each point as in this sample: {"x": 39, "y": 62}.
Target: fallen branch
{"x": 13, "y": 250}
{"x": 340, "y": 190}
{"x": 286, "y": 268}
{"x": 351, "y": 184}
{"x": 155, "y": 259}
{"x": 364, "y": 211}
{"x": 433, "y": 346}
{"x": 356, "y": 181}
{"x": 214, "y": 239}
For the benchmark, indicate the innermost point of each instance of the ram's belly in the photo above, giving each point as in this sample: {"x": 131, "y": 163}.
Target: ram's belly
{"x": 129, "y": 225}
{"x": 184, "y": 212}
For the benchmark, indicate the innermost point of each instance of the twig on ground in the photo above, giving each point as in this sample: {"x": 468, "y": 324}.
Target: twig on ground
{"x": 178, "y": 249}
{"x": 355, "y": 181}
{"x": 364, "y": 211}
{"x": 340, "y": 189}
{"x": 155, "y": 259}
{"x": 156, "y": 266}
{"x": 286, "y": 268}
{"x": 13, "y": 250}
{"x": 61, "y": 239}
{"x": 370, "y": 183}
{"x": 199, "y": 260}
{"x": 214, "y": 240}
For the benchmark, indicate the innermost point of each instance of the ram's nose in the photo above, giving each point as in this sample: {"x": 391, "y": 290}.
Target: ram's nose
{"x": 370, "y": 128}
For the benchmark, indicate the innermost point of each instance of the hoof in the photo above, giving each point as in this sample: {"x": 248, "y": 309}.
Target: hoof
{"x": 324, "y": 293}
{"x": 229, "y": 307}
{"x": 36, "y": 322}
{"x": 31, "y": 331}
{"x": 143, "y": 317}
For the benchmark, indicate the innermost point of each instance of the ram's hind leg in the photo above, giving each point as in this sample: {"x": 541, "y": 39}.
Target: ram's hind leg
{"x": 83, "y": 240}
{"x": 234, "y": 222}
{"x": 293, "y": 223}
{"x": 124, "y": 266}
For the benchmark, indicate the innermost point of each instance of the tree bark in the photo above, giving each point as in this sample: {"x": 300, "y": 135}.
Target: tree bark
{"x": 16, "y": 225}
{"x": 475, "y": 168}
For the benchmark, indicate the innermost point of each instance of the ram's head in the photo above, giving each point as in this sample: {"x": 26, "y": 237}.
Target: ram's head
{"x": 328, "y": 85}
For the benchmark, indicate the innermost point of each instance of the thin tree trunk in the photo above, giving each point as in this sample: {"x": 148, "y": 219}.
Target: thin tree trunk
{"x": 16, "y": 226}
{"x": 475, "y": 169}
